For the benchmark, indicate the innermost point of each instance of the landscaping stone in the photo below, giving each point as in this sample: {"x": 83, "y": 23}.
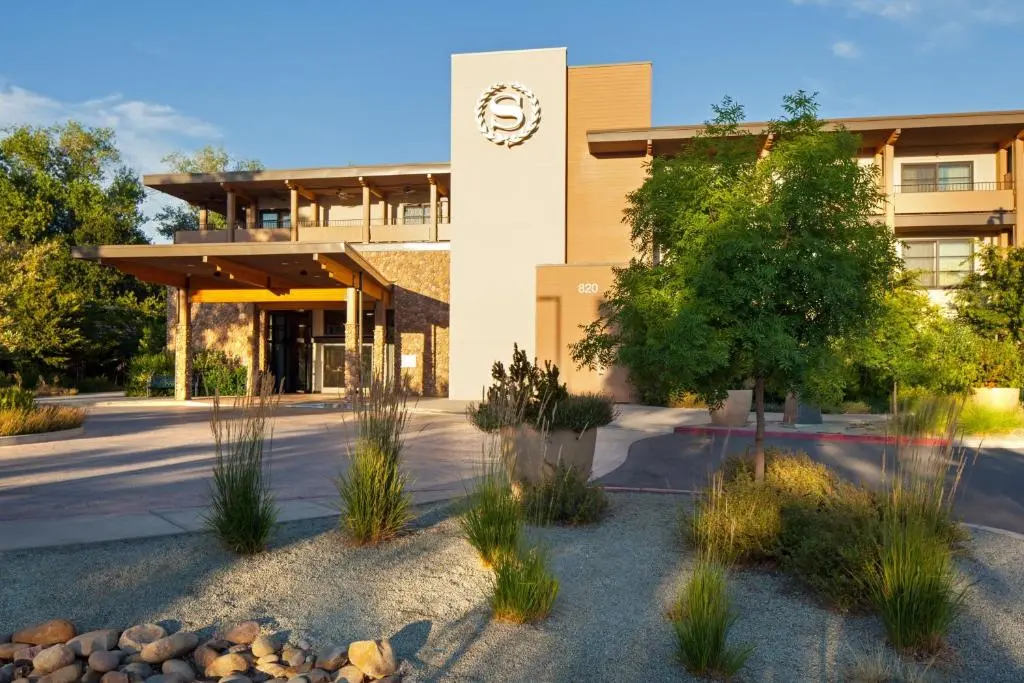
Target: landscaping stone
{"x": 21, "y": 680}
{"x": 235, "y": 678}
{"x": 333, "y": 659}
{"x": 268, "y": 659}
{"x": 203, "y": 655}
{"x": 137, "y": 637}
{"x": 375, "y": 658}
{"x": 165, "y": 678}
{"x": 29, "y": 651}
{"x": 6, "y": 673}
{"x": 47, "y": 633}
{"x": 298, "y": 679}
{"x": 85, "y": 644}
{"x": 225, "y": 665}
{"x": 8, "y": 650}
{"x": 263, "y": 646}
{"x": 52, "y": 658}
{"x": 105, "y": 660}
{"x": 181, "y": 668}
{"x": 293, "y": 656}
{"x": 243, "y": 633}
{"x": 67, "y": 674}
{"x": 91, "y": 676}
{"x": 114, "y": 677}
{"x": 318, "y": 676}
{"x": 138, "y": 670}
{"x": 133, "y": 658}
{"x": 349, "y": 674}
{"x": 171, "y": 647}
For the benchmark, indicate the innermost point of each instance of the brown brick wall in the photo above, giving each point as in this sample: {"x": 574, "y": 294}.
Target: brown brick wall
{"x": 421, "y": 298}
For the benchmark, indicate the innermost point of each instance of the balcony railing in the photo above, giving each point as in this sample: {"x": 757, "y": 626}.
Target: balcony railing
{"x": 337, "y": 223}
{"x": 953, "y": 186}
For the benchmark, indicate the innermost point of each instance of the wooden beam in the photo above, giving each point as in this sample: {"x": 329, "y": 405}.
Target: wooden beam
{"x": 442, "y": 189}
{"x": 265, "y": 296}
{"x": 241, "y": 194}
{"x": 248, "y": 275}
{"x": 373, "y": 190}
{"x": 894, "y": 136}
{"x": 306, "y": 194}
{"x": 342, "y": 273}
{"x": 152, "y": 274}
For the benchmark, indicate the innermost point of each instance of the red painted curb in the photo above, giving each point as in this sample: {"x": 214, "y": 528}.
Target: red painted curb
{"x": 811, "y": 436}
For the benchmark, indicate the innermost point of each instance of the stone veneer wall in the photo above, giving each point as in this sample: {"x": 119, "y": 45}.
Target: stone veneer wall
{"x": 421, "y": 304}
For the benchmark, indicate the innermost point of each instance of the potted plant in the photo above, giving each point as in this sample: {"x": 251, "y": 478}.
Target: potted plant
{"x": 999, "y": 375}
{"x": 541, "y": 422}
{"x": 734, "y": 411}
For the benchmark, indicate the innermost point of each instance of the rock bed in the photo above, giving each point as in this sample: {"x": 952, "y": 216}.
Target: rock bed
{"x": 54, "y": 652}
{"x": 427, "y": 594}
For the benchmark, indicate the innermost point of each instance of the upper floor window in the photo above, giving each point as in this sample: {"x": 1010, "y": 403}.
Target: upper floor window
{"x": 415, "y": 214}
{"x": 943, "y": 176}
{"x": 276, "y": 218}
{"x": 939, "y": 262}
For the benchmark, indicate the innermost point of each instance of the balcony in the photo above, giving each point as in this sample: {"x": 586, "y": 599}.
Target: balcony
{"x": 953, "y": 197}
{"x": 341, "y": 230}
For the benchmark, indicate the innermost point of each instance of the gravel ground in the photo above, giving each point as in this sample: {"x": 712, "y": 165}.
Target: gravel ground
{"x": 427, "y": 592}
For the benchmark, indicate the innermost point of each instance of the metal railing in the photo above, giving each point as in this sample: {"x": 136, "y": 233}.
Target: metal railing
{"x": 952, "y": 186}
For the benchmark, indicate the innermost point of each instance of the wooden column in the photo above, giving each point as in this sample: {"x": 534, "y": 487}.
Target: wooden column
{"x": 294, "y": 206}
{"x": 1001, "y": 167}
{"x": 254, "y": 349}
{"x": 231, "y": 217}
{"x": 314, "y": 210}
{"x": 380, "y": 317}
{"x": 434, "y": 210}
{"x": 1018, "y": 190}
{"x": 183, "y": 347}
{"x": 204, "y": 218}
{"x": 351, "y": 340}
{"x": 888, "y": 168}
{"x": 383, "y": 204}
{"x": 263, "y": 338}
{"x": 250, "y": 216}
{"x": 366, "y": 212}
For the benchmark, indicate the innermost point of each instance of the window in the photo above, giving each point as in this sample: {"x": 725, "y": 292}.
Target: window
{"x": 334, "y": 323}
{"x": 415, "y": 214}
{"x": 951, "y": 176}
{"x": 941, "y": 263}
{"x": 276, "y": 218}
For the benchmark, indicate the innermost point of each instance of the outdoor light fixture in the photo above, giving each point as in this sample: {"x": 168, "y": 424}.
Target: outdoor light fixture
{"x": 303, "y": 272}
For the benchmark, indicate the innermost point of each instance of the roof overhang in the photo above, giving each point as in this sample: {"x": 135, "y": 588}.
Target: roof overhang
{"x": 210, "y": 189}
{"x": 280, "y": 268}
{"x": 987, "y": 128}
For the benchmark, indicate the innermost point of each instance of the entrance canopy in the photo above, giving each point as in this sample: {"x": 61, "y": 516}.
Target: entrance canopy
{"x": 258, "y": 272}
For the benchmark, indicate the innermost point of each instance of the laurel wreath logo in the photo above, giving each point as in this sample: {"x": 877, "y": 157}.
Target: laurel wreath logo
{"x": 532, "y": 117}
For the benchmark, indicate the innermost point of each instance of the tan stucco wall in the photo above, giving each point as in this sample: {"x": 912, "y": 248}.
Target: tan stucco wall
{"x": 568, "y": 296}
{"x": 510, "y": 213}
{"x": 602, "y": 97}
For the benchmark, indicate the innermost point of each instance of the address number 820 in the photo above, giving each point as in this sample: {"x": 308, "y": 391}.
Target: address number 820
{"x": 587, "y": 288}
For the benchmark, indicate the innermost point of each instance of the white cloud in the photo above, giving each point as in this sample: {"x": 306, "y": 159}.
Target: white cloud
{"x": 845, "y": 49}
{"x": 146, "y": 131}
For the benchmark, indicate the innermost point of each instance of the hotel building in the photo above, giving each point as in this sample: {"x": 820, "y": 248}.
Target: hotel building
{"x": 431, "y": 271}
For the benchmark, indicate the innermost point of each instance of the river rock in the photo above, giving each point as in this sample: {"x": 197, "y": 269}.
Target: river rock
{"x": 242, "y": 633}
{"x": 85, "y": 644}
{"x": 181, "y": 668}
{"x": 203, "y": 655}
{"x": 225, "y": 665}
{"x": 90, "y": 676}
{"x": 375, "y": 658}
{"x": 171, "y": 647}
{"x": 105, "y": 660}
{"x": 235, "y": 678}
{"x": 67, "y": 674}
{"x": 47, "y": 633}
{"x": 318, "y": 676}
{"x": 165, "y": 678}
{"x": 268, "y": 659}
{"x": 349, "y": 674}
{"x": 138, "y": 637}
{"x": 8, "y": 650}
{"x": 263, "y": 646}
{"x": 6, "y": 673}
{"x": 273, "y": 669}
{"x": 293, "y": 656}
{"x": 114, "y": 677}
{"x": 52, "y": 658}
{"x": 333, "y": 659}
{"x": 138, "y": 671}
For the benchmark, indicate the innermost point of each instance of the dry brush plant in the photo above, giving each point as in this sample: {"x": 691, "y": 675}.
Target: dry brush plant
{"x": 242, "y": 512}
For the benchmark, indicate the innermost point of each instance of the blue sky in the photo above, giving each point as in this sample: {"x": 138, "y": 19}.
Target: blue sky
{"x": 335, "y": 82}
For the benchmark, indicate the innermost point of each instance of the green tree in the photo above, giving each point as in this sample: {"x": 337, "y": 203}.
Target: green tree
{"x": 764, "y": 261}
{"x": 60, "y": 187}
{"x": 180, "y": 216}
{"x": 991, "y": 299}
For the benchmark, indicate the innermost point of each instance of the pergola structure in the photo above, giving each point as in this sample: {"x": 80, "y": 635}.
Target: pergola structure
{"x": 269, "y": 275}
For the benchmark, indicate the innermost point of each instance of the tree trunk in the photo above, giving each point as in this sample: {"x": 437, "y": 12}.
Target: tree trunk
{"x": 895, "y": 401}
{"x": 759, "y": 432}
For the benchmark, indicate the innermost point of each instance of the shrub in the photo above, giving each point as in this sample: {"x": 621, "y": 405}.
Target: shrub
{"x": 913, "y": 584}
{"x": 702, "y": 617}
{"x": 981, "y": 419}
{"x": 564, "y": 497}
{"x": 39, "y": 420}
{"x": 242, "y": 513}
{"x": 92, "y": 385}
{"x": 143, "y": 368}
{"x": 16, "y": 398}
{"x": 882, "y": 666}
{"x": 735, "y": 521}
{"x": 215, "y": 372}
{"x": 376, "y": 505}
{"x": 523, "y": 588}
{"x": 580, "y": 412}
{"x": 491, "y": 521}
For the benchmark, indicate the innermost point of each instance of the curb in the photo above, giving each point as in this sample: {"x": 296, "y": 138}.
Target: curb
{"x": 41, "y": 437}
{"x": 646, "y": 489}
{"x": 809, "y": 436}
{"x": 1002, "y": 532}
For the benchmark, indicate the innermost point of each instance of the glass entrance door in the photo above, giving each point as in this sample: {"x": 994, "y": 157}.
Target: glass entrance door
{"x": 291, "y": 350}
{"x": 334, "y": 366}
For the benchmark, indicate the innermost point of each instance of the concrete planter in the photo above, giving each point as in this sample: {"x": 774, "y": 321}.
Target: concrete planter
{"x": 736, "y": 410}
{"x": 996, "y": 398}
{"x": 538, "y": 454}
